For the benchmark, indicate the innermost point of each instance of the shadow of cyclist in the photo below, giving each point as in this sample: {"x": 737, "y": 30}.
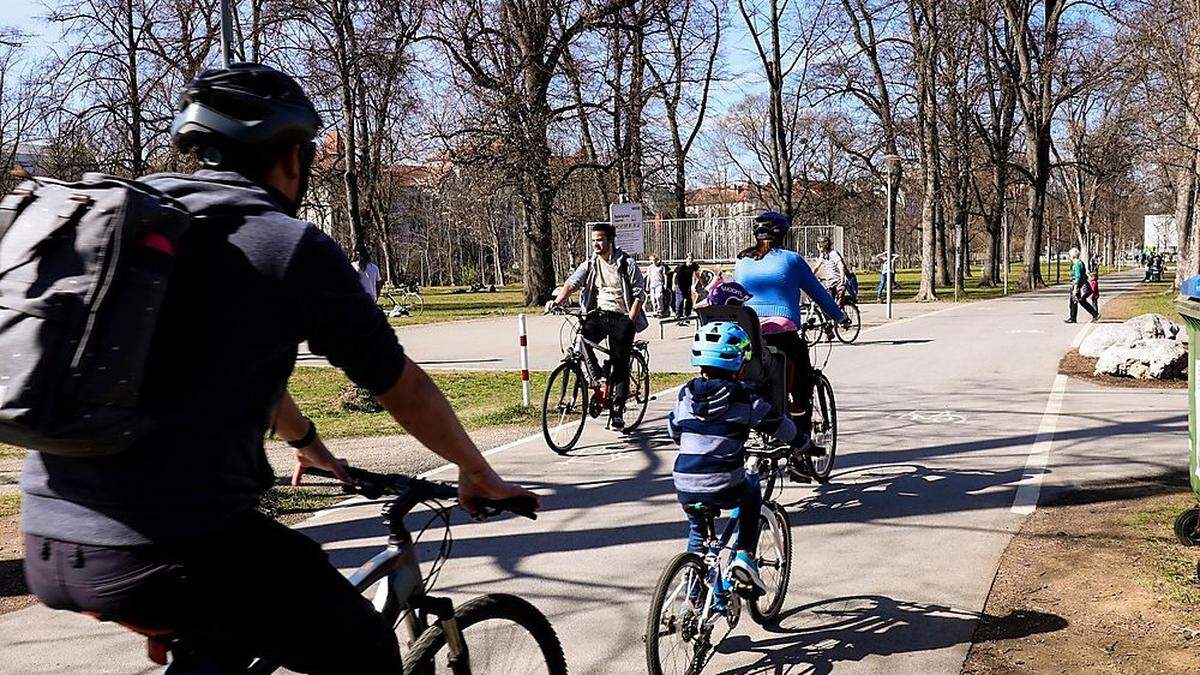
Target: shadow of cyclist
{"x": 814, "y": 637}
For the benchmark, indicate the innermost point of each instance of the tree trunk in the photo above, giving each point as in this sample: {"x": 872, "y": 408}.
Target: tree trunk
{"x": 1185, "y": 217}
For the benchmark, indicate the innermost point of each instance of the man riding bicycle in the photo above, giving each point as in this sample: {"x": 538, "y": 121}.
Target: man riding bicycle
{"x": 831, "y": 269}
{"x": 611, "y": 284}
{"x": 165, "y": 535}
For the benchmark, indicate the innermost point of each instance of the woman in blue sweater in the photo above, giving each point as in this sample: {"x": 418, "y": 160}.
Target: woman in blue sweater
{"x": 775, "y": 277}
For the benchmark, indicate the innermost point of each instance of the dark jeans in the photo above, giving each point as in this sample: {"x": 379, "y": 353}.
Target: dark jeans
{"x": 619, "y": 331}
{"x": 256, "y": 588}
{"x": 800, "y": 374}
{"x": 1079, "y": 296}
{"x": 881, "y": 287}
{"x": 748, "y": 500}
{"x": 683, "y": 302}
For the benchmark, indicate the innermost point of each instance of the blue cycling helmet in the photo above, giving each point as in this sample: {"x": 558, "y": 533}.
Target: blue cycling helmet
{"x": 770, "y": 225}
{"x": 721, "y": 344}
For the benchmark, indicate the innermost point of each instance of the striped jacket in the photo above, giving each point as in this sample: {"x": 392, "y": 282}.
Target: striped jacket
{"x": 711, "y": 422}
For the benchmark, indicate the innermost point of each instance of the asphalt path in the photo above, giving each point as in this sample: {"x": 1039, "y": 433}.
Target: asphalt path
{"x": 954, "y": 425}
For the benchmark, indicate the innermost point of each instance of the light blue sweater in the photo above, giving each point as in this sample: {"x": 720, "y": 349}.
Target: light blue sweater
{"x": 776, "y": 282}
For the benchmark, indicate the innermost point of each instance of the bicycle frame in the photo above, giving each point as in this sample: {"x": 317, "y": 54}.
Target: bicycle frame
{"x": 401, "y": 591}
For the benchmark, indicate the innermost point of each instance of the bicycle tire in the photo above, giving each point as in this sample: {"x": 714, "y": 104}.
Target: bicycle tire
{"x": 662, "y": 589}
{"x": 566, "y": 371}
{"x": 783, "y": 526}
{"x": 422, "y": 658}
{"x": 812, "y": 329}
{"x": 849, "y": 335}
{"x": 415, "y": 304}
{"x": 639, "y": 389}
{"x": 825, "y": 429}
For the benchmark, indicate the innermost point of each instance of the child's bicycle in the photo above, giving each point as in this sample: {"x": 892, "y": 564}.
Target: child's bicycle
{"x": 695, "y": 593}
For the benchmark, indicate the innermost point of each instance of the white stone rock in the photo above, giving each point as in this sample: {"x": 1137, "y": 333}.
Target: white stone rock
{"x": 1150, "y": 326}
{"x": 1157, "y": 359}
{"x": 1106, "y": 335}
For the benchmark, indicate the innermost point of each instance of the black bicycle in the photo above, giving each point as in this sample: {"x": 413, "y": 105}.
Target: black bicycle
{"x": 770, "y": 369}
{"x": 576, "y": 390}
{"x": 492, "y": 634}
{"x": 817, "y": 327}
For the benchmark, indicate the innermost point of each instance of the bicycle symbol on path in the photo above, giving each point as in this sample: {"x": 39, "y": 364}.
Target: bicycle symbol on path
{"x": 930, "y": 417}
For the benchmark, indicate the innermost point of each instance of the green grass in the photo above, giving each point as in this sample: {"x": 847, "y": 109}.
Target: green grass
{"x": 10, "y": 504}
{"x": 441, "y": 305}
{"x": 1148, "y": 298}
{"x": 481, "y": 399}
{"x": 1169, "y": 569}
{"x": 910, "y": 281}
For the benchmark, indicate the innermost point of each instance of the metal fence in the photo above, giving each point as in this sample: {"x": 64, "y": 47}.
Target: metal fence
{"x": 718, "y": 239}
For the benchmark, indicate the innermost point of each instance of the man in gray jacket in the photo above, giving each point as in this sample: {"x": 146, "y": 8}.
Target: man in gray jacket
{"x": 611, "y": 283}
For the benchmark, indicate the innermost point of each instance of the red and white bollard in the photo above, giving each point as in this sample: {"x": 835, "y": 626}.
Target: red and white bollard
{"x": 524, "y": 342}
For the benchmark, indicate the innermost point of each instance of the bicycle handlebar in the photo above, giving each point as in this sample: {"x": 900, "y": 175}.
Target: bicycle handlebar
{"x": 375, "y": 485}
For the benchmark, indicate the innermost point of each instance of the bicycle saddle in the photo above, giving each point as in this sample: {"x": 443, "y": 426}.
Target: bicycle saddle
{"x": 702, "y": 509}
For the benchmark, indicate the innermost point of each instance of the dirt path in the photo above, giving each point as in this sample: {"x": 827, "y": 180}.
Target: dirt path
{"x": 1102, "y": 586}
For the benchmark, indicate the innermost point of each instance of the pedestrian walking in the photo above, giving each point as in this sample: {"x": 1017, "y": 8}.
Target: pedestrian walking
{"x": 685, "y": 272}
{"x": 656, "y": 281}
{"x": 885, "y": 275}
{"x": 1081, "y": 289}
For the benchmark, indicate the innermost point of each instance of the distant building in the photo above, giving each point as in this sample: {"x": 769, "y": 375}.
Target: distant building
{"x": 1160, "y": 233}
{"x": 26, "y": 156}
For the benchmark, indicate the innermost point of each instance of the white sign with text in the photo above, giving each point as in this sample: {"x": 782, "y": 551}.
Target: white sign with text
{"x": 627, "y": 220}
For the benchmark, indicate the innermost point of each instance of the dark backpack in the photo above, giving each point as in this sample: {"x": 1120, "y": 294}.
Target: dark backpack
{"x": 83, "y": 272}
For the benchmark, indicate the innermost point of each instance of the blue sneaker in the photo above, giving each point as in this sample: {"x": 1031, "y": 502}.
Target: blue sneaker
{"x": 745, "y": 570}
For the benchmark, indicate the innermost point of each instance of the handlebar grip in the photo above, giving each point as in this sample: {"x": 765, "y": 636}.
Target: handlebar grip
{"x": 526, "y": 507}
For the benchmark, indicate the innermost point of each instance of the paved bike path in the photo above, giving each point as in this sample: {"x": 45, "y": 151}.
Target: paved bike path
{"x": 944, "y": 422}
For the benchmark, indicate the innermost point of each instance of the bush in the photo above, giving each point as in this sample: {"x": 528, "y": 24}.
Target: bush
{"x": 355, "y": 399}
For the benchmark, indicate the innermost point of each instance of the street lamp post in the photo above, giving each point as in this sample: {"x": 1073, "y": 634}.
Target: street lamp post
{"x": 892, "y": 166}
{"x": 226, "y": 34}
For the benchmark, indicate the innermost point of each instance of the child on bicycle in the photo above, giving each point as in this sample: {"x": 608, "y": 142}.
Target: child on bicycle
{"x": 711, "y": 422}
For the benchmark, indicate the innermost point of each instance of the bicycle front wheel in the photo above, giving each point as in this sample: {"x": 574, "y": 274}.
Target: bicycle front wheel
{"x": 674, "y": 642}
{"x": 415, "y": 304}
{"x": 849, "y": 335}
{"x": 824, "y": 428}
{"x": 564, "y": 407}
{"x": 774, "y": 556}
{"x": 639, "y": 390}
{"x": 503, "y": 635}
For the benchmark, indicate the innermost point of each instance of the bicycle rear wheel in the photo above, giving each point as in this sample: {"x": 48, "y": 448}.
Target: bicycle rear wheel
{"x": 774, "y": 557}
{"x": 564, "y": 407}
{"x": 824, "y": 428}
{"x": 503, "y": 634}
{"x": 673, "y": 641}
{"x": 639, "y": 390}
{"x": 849, "y": 335}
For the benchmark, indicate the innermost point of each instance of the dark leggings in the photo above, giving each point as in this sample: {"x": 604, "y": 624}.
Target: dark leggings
{"x": 800, "y": 375}
{"x": 256, "y": 588}
{"x": 747, "y": 498}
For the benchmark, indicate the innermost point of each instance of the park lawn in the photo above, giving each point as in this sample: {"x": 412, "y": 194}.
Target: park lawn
{"x": 1145, "y": 298}
{"x": 481, "y": 399}
{"x": 910, "y": 281}
{"x": 442, "y": 305}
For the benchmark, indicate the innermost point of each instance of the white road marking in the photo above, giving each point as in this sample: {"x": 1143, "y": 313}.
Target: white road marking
{"x": 1030, "y": 487}
{"x": 1080, "y": 335}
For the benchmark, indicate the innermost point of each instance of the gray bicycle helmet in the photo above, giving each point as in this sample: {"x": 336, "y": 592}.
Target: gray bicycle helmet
{"x": 242, "y": 110}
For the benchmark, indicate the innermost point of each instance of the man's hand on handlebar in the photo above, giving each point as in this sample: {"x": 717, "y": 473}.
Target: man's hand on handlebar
{"x": 317, "y": 456}
{"x": 483, "y": 483}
